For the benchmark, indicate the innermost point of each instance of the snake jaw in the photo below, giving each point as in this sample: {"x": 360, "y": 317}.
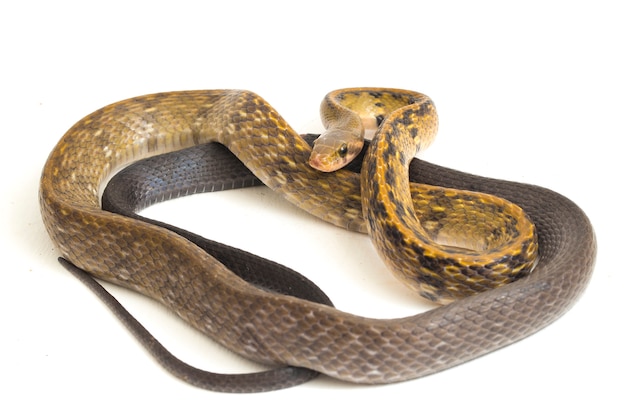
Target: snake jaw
{"x": 318, "y": 162}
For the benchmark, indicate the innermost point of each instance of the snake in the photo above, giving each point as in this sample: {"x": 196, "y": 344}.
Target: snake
{"x": 275, "y": 328}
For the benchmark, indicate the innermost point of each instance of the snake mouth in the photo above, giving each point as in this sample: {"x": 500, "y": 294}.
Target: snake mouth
{"x": 317, "y": 162}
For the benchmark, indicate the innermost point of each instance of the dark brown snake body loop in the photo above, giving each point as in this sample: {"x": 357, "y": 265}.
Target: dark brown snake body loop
{"x": 275, "y": 328}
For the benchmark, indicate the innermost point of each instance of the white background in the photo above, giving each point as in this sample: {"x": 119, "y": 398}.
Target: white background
{"x": 528, "y": 91}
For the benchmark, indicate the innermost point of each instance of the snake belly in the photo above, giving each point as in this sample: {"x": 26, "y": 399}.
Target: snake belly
{"x": 274, "y": 328}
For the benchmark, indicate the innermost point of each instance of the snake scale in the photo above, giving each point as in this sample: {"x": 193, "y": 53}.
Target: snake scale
{"x": 276, "y": 328}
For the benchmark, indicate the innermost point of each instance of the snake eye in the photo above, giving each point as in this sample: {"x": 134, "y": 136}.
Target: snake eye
{"x": 343, "y": 150}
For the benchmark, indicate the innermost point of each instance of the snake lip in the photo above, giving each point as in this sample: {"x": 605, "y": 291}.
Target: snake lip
{"x": 316, "y": 162}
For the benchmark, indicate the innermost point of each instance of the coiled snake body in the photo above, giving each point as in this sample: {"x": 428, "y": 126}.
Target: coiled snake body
{"x": 275, "y": 328}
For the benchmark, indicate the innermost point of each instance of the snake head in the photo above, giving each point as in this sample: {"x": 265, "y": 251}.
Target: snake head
{"x": 334, "y": 149}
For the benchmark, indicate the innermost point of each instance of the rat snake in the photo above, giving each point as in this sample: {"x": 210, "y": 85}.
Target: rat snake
{"x": 277, "y": 328}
